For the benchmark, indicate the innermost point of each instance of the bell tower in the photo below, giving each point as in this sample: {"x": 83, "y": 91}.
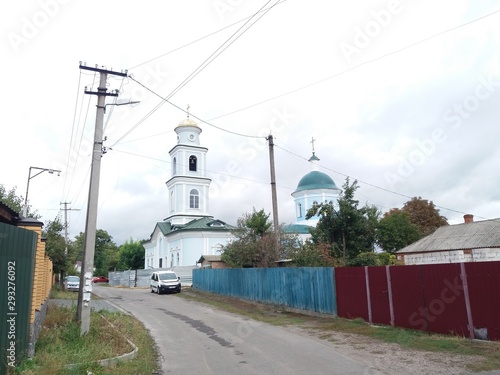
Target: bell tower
{"x": 188, "y": 186}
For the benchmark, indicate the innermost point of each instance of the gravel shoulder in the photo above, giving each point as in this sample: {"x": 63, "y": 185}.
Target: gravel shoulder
{"x": 390, "y": 359}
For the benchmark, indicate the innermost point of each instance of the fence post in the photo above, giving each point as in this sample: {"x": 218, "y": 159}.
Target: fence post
{"x": 463, "y": 276}
{"x": 389, "y": 292}
{"x": 368, "y": 298}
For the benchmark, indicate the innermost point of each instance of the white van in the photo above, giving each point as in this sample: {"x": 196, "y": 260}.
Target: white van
{"x": 165, "y": 281}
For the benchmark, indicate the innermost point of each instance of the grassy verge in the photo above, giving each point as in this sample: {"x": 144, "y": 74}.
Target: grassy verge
{"x": 59, "y": 293}
{"x": 60, "y": 344}
{"x": 488, "y": 353}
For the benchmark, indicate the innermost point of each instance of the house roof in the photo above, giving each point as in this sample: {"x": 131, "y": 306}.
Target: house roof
{"x": 210, "y": 258}
{"x": 476, "y": 235}
{"x": 207, "y": 223}
{"x": 7, "y": 214}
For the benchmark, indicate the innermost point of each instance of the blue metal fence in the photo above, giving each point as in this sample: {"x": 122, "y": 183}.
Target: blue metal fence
{"x": 305, "y": 288}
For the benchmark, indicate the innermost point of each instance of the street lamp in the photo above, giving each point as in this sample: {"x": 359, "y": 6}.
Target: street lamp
{"x": 41, "y": 170}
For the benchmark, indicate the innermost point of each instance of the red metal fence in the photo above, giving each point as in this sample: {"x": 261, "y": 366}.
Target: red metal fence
{"x": 456, "y": 298}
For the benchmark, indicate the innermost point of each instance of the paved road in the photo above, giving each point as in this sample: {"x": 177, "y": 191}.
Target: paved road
{"x": 196, "y": 339}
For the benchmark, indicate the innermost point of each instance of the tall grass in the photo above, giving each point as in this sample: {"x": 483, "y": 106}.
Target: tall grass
{"x": 61, "y": 344}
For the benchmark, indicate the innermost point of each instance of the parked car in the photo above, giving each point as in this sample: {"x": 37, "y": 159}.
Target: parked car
{"x": 72, "y": 283}
{"x": 100, "y": 279}
{"x": 165, "y": 281}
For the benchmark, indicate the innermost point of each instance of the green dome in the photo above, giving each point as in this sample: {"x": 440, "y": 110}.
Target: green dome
{"x": 315, "y": 180}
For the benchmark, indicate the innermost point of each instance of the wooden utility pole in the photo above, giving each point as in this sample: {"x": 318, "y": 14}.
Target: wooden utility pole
{"x": 274, "y": 195}
{"x": 83, "y": 307}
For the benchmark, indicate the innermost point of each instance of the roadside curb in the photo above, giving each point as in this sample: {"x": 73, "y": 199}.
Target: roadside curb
{"x": 114, "y": 360}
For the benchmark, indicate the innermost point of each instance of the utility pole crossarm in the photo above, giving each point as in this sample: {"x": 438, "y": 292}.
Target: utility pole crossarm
{"x": 105, "y": 71}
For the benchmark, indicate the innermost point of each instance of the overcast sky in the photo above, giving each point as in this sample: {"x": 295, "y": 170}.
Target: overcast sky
{"x": 403, "y": 96}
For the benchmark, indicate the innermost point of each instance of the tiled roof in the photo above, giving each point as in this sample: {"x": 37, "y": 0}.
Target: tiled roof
{"x": 476, "y": 235}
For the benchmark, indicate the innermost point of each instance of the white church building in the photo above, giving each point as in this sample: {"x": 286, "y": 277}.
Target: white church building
{"x": 188, "y": 232}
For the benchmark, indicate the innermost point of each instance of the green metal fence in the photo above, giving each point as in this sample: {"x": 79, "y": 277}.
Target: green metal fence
{"x": 17, "y": 260}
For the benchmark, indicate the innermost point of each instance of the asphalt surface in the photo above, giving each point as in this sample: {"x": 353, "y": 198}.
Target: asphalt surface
{"x": 195, "y": 339}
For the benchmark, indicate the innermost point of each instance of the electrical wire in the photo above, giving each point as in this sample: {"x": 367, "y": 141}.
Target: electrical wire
{"x": 73, "y": 168}
{"x": 235, "y": 36}
{"x": 354, "y": 67}
{"x": 363, "y": 182}
{"x": 72, "y": 131}
{"x": 183, "y": 110}
{"x": 199, "y": 39}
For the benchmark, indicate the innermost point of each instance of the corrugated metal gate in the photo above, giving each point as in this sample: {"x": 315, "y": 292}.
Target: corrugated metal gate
{"x": 457, "y": 298}
{"x": 17, "y": 260}
{"x": 483, "y": 281}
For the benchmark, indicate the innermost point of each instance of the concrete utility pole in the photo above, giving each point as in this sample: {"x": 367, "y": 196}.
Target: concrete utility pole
{"x": 274, "y": 195}
{"x": 66, "y": 209}
{"x": 83, "y": 307}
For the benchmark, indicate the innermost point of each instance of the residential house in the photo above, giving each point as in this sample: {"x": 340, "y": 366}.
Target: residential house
{"x": 467, "y": 242}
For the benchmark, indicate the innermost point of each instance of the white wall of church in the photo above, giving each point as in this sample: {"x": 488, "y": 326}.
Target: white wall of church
{"x": 305, "y": 200}
{"x": 182, "y": 249}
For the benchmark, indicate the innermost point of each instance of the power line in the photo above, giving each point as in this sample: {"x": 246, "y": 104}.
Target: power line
{"x": 302, "y": 87}
{"x": 165, "y": 100}
{"x": 364, "y": 182}
{"x": 72, "y": 130}
{"x": 354, "y": 67}
{"x": 201, "y": 38}
{"x": 235, "y": 36}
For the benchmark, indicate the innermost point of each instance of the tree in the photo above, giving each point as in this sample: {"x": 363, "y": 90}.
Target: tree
{"x": 255, "y": 244}
{"x": 131, "y": 255}
{"x": 424, "y": 215}
{"x": 105, "y": 253}
{"x": 395, "y": 231}
{"x": 56, "y": 247}
{"x": 311, "y": 255}
{"x": 349, "y": 230}
{"x": 372, "y": 259}
{"x": 15, "y": 202}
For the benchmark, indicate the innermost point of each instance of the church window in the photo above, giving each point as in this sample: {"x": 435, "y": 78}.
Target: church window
{"x": 178, "y": 259}
{"x": 174, "y": 166}
{"x": 172, "y": 260}
{"x": 172, "y": 203}
{"x": 160, "y": 262}
{"x": 299, "y": 210}
{"x": 192, "y": 163}
{"x": 194, "y": 199}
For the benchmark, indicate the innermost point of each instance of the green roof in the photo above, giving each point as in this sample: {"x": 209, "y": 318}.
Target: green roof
{"x": 297, "y": 228}
{"x": 205, "y": 223}
{"x": 316, "y": 180}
